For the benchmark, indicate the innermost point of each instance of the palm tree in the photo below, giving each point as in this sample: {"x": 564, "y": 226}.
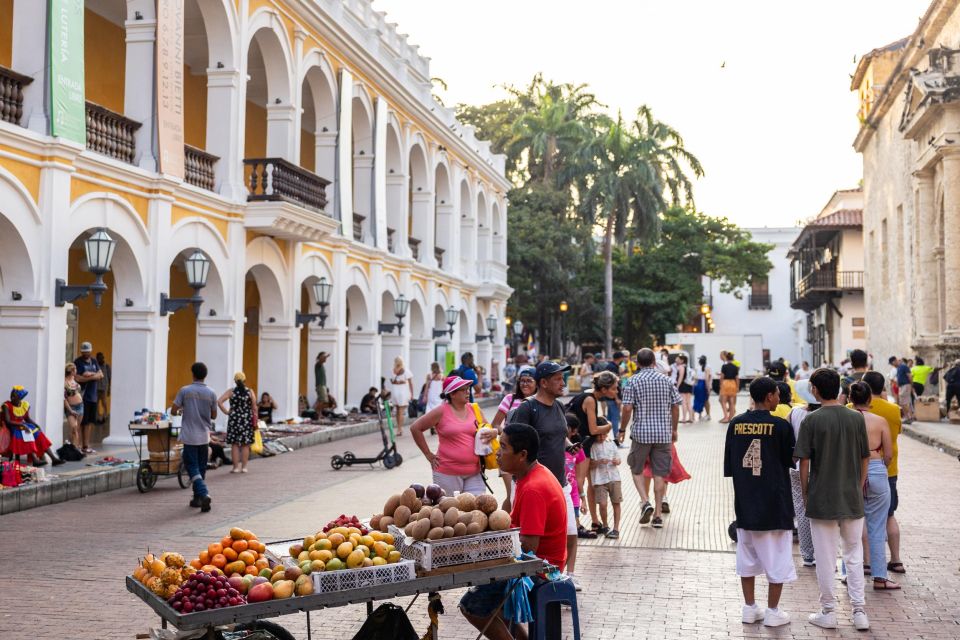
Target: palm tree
{"x": 663, "y": 146}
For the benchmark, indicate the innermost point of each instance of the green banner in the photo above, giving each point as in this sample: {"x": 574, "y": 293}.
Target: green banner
{"x": 67, "y": 104}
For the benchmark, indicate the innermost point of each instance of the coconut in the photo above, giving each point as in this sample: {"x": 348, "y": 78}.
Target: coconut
{"x": 401, "y": 516}
{"x": 499, "y": 520}
{"x": 451, "y": 517}
{"x": 487, "y": 503}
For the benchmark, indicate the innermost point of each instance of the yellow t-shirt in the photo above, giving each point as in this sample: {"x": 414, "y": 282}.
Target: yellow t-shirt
{"x": 891, "y": 413}
{"x": 782, "y": 411}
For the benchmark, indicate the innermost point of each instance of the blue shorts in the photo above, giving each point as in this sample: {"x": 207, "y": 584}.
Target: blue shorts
{"x": 483, "y": 601}
{"x": 894, "y": 496}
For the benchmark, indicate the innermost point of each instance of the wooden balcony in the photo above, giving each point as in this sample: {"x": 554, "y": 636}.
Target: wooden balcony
{"x": 438, "y": 254}
{"x": 111, "y": 134}
{"x": 358, "y": 227}
{"x": 11, "y": 95}
{"x": 198, "y": 167}
{"x": 414, "y": 245}
{"x": 759, "y": 301}
{"x": 820, "y": 285}
{"x": 275, "y": 179}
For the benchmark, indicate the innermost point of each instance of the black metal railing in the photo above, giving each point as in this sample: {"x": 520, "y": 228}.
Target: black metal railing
{"x": 827, "y": 280}
{"x": 110, "y": 133}
{"x": 759, "y": 301}
{"x": 11, "y": 95}
{"x": 198, "y": 167}
{"x": 277, "y": 179}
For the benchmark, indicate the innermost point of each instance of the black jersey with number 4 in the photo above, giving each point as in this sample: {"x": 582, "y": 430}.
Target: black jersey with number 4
{"x": 758, "y": 456}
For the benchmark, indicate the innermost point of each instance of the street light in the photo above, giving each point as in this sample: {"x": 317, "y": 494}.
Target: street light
{"x": 451, "y": 316}
{"x": 99, "y": 248}
{"x": 517, "y": 334}
{"x": 400, "y": 306}
{"x": 563, "y": 311}
{"x": 321, "y": 293}
{"x": 491, "y": 323}
{"x": 197, "y": 267}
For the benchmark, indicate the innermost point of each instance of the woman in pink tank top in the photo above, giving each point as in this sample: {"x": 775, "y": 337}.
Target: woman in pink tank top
{"x": 456, "y": 466}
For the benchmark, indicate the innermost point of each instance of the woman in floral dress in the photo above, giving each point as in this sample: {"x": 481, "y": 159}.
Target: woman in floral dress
{"x": 240, "y": 421}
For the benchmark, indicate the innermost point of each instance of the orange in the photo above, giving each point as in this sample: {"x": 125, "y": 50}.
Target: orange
{"x": 215, "y": 548}
{"x": 240, "y": 545}
{"x": 236, "y": 533}
{"x": 248, "y": 557}
{"x": 256, "y": 545}
{"x": 196, "y": 564}
{"x": 226, "y": 541}
{"x": 251, "y": 570}
{"x": 219, "y": 560}
{"x": 230, "y": 554}
{"x": 204, "y": 557}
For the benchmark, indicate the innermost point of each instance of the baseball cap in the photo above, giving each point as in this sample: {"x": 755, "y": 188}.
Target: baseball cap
{"x": 547, "y": 368}
{"x": 526, "y": 371}
{"x": 85, "y": 346}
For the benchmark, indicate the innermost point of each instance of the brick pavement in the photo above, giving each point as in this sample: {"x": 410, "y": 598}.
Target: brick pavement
{"x": 64, "y": 564}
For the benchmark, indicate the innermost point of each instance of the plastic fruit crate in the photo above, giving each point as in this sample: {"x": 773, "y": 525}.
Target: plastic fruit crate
{"x": 479, "y": 547}
{"x": 346, "y": 579}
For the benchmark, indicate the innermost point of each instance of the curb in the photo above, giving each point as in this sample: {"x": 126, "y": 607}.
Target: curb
{"x": 945, "y": 447}
{"x": 88, "y": 484}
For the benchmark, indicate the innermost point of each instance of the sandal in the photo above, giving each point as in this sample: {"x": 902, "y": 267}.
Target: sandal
{"x": 866, "y": 570}
{"x": 896, "y": 567}
{"x": 613, "y": 533}
{"x": 594, "y": 526}
{"x": 584, "y": 533}
{"x": 882, "y": 584}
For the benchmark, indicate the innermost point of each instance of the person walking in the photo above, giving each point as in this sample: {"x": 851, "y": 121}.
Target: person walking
{"x": 544, "y": 413}
{"x": 904, "y": 389}
{"x": 682, "y": 377}
{"x": 587, "y": 408}
{"x": 401, "y": 391}
{"x": 455, "y": 465}
{"x": 525, "y": 388}
{"x": 434, "y": 387}
{"x": 657, "y": 404}
{"x": 586, "y": 371}
{"x": 729, "y": 386}
{"x": 834, "y": 452}
{"x": 468, "y": 371}
{"x": 803, "y": 373}
{"x": 103, "y": 389}
{"x": 876, "y": 503}
{"x": 920, "y": 374}
{"x": 952, "y": 378}
{"x": 197, "y": 403}
{"x": 758, "y": 455}
{"x": 701, "y": 390}
{"x": 88, "y": 375}
{"x": 797, "y": 414}
{"x": 240, "y": 421}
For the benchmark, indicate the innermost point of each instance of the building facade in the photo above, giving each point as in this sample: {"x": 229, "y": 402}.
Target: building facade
{"x": 826, "y": 279}
{"x": 764, "y": 307}
{"x": 909, "y": 140}
{"x": 313, "y": 151}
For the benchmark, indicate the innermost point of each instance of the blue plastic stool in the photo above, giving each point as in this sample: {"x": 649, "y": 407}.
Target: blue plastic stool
{"x": 546, "y": 600}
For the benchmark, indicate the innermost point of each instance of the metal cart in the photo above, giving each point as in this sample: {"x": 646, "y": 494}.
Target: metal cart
{"x": 251, "y": 613}
{"x": 163, "y": 458}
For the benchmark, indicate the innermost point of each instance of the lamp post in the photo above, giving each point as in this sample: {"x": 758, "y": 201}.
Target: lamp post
{"x": 491, "y": 323}
{"x": 321, "y": 293}
{"x": 99, "y": 248}
{"x": 400, "y": 306}
{"x": 564, "y": 307}
{"x": 518, "y": 335}
{"x": 198, "y": 268}
{"x": 451, "y": 317}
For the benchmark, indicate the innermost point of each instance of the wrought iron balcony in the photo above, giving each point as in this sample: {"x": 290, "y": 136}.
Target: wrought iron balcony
{"x": 11, "y": 95}
{"x": 759, "y": 301}
{"x": 110, "y": 133}
{"x": 819, "y": 285}
{"x": 273, "y": 179}
{"x": 198, "y": 167}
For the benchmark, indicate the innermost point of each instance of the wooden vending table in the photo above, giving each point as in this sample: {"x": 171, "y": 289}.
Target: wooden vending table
{"x": 466, "y": 577}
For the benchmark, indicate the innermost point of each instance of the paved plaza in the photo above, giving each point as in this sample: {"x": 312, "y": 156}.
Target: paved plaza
{"x": 63, "y": 565}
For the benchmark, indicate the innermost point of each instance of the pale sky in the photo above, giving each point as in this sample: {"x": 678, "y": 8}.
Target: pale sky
{"x": 773, "y": 127}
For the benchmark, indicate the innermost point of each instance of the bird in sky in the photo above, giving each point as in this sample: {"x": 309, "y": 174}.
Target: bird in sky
{"x": 723, "y": 65}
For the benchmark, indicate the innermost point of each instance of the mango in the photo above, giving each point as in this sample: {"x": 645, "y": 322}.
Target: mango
{"x": 367, "y": 562}
{"x": 393, "y": 556}
{"x": 293, "y": 573}
{"x": 377, "y": 561}
{"x": 364, "y": 549}
{"x": 237, "y": 566}
{"x": 309, "y": 541}
{"x": 387, "y": 537}
{"x": 325, "y": 556}
{"x": 344, "y": 550}
{"x": 265, "y": 573}
{"x": 324, "y": 545}
{"x": 283, "y": 589}
{"x": 295, "y": 550}
{"x": 353, "y": 530}
{"x": 380, "y": 549}
{"x": 317, "y": 565}
{"x": 277, "y": 577}
{"x": 336, "y": 539}
{"x": 303, "y": 586}
{"x": 304, "y": 555}
{"x": 367, "y": 541}
{"x": 306, "y": 566}
{"x": 315, "y": 555}
{"x": 355, "y": 559}
{"x": 355, "y": 539}
{"x": 335, "y": 564}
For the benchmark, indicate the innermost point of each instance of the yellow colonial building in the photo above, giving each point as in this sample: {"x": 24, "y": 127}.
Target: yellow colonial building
{"x": 307, "y": 158}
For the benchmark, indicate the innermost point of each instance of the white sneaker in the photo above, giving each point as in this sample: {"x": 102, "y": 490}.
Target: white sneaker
{"x": 576, "y": 583}
{"x": 823, "y": 619}
{"x": 751, "y": 613}
{"x": 775, "y": 618}
{"x": 860, "y": 621}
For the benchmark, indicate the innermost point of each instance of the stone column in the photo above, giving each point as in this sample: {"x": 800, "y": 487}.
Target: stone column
{"x": 424, "y": 224}
{"x": 363, "y": 348}
{"x": 362, "y": 197}
{"x": 224, "y": 104}
{"x": 344, "y": 178}
{"x": 326, "y": 164}
{"x": 216, "y": 340}
{"x": 137, "y": 382}
{"x": 951, "y": 240}
{"x": 276, "y": 371}
{"x": 446, "y": 223}
{"x": 29, "y": 58}
{"x": 926, "y": 305}
{"x": 281, "y": 121}
{"x": 397, "y": 213}
{"x": 139, "y": 100}
{"x": 379, "y": 208}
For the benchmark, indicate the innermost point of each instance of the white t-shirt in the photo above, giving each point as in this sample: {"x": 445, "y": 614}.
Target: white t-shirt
{"x": 604, "y": 473}
{"x": 801, "y": 374}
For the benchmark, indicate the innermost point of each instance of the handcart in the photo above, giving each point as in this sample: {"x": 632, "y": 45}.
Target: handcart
{"x": 388, "y": 455}
{"x": 162, "y": 454}
{"x": 218, "y": 621}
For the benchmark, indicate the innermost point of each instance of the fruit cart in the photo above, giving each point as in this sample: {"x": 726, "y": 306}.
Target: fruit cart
{"x": 214, "y": 621}
{"x": 163, "y": 457}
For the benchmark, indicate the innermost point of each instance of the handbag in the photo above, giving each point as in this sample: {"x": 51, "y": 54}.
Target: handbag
{"x": 10, "y": 474}
{"x": 488, "y": 461}
{"x": 257, "y": 446}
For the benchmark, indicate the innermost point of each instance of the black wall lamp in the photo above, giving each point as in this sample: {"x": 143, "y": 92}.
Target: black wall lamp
{"x": 321, "y": 293}
{"x": 400, "y": 306}
{"x": 451, "y": 314}
{"x": 198, "y": 268}
{"x": 99, "y": 248}
{"x": 491, "y": 328}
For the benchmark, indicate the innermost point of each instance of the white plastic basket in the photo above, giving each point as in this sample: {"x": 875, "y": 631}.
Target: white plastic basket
{"x": 479, "y": 547}
{"x": 346, "y": 579}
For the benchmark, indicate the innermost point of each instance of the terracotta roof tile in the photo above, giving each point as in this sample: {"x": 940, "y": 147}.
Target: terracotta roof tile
{"x": 840, "y": 218}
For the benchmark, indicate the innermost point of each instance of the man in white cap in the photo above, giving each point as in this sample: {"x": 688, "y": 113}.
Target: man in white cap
{"x": 88, "y": 374}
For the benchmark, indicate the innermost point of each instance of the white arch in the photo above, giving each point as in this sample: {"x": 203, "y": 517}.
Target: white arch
{"x": 420, "y": 179}
{"x": 357, "y": 298}
{"x": 267, "y": 29}
{"x": 395, "y": 157}
{"x": 315, "y": 70}
{"x": 443, "y": 181}
{"x": 266, "y": 261}
{"x": 362, "y": 116}
{"x": 123, "y": 223}
{"x": 18, "y": 272}
{"x": 417, "y": 320}
{"x": 220, "y": 24}
{"x": 199, "y": 233}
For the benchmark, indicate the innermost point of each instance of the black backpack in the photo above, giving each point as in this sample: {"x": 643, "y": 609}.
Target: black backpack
{"x": 387, "y": 622}
{"x": 70, "y": 453}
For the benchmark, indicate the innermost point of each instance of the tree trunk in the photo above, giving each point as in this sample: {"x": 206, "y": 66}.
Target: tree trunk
{"x": 548, "y": 160}
{"x": 608, "y": 286}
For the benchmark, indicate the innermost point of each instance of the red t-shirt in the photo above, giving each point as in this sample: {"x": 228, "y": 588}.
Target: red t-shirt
{"x": 540, "y": 509}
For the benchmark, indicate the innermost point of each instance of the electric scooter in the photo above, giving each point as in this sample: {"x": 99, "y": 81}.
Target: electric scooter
{"x": 389, "y": 455}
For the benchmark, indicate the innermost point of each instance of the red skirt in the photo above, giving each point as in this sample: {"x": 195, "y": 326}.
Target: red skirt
{"x": 677, "y": 472}
{"x": 39, "y": 446}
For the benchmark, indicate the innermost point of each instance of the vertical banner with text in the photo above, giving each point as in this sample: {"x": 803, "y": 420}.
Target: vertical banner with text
{"x": 67, "y": 102}
{"x": 170, "y": 86}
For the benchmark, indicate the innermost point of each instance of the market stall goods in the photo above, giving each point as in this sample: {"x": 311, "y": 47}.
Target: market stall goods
{"x": 344, "y": 548}
{"x": 203, "y": 591}
{"x": 237, "y": 553}
{"x": 453, "y": 516}
{"x": 162, "y": 574}
{"x": 346, "y": 521}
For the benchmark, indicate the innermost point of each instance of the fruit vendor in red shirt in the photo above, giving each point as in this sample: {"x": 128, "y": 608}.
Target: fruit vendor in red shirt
{"x": 539, "y": 510}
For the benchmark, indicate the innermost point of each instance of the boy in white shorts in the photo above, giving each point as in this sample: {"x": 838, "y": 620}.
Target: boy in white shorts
{"x": 758, "y": 456}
